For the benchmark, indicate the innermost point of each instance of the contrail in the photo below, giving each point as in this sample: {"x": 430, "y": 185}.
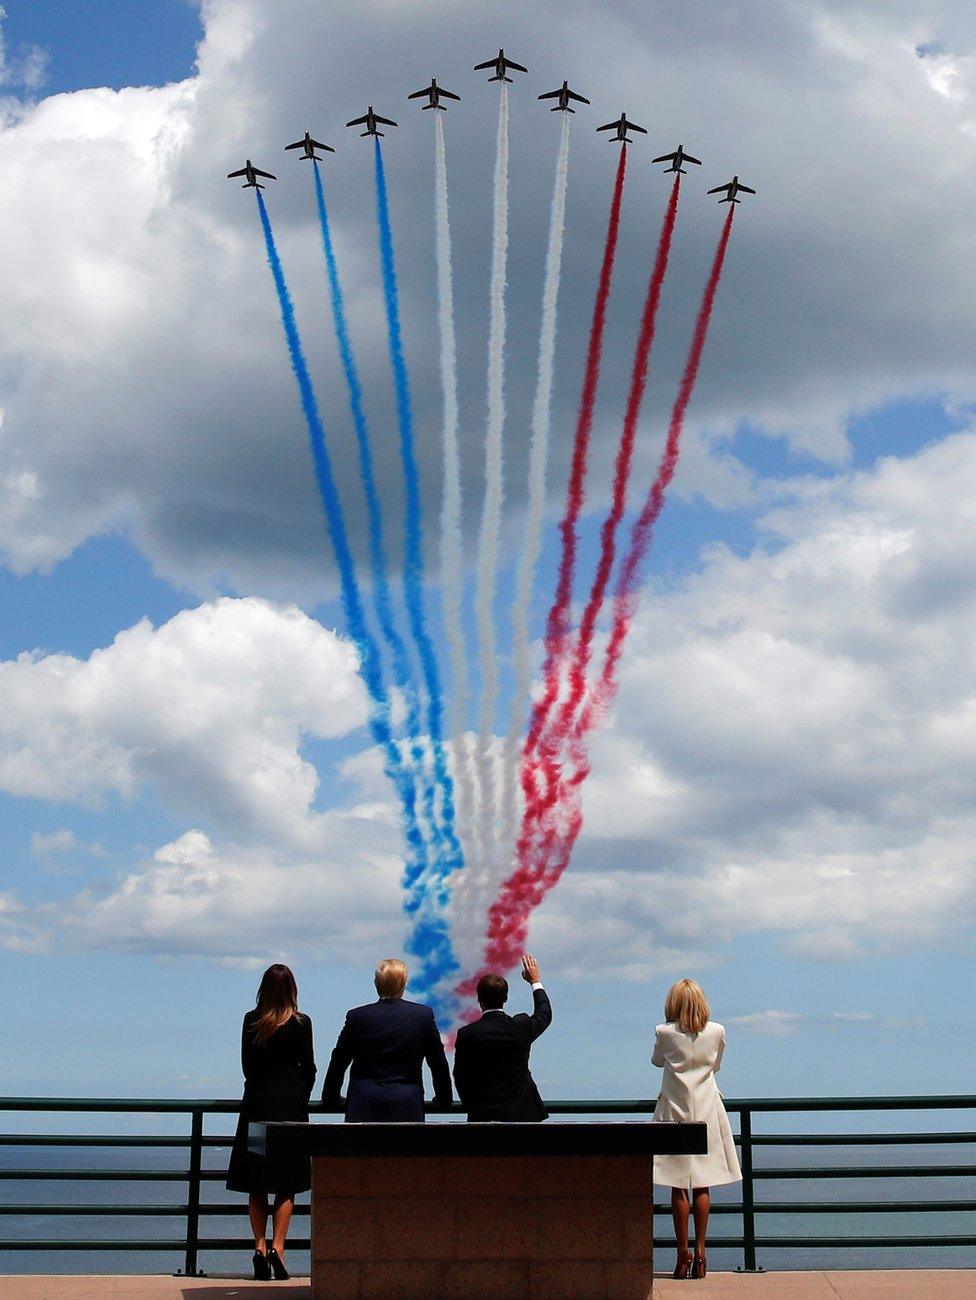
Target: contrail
{"x": 438, "y": 954}
{"x": 452, "y": 562}
{"x": 402, "y": 673}
{"x": 557, "y": 733}
{"x": 532, "y": 880}
{"x": 538, "y": 457}
{"x": 625, "y": 595}
{"x": 487, "y": 567}
{"x": 413, "y": 581}
{"x": 557, "y": 622}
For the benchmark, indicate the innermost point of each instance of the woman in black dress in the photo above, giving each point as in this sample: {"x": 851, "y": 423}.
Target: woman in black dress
{"x": 279, "y": 1071}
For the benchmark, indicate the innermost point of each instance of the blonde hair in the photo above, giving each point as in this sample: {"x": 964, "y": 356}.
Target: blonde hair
{"x": 390, "y": 978}
{"x": 686, "y": 1006}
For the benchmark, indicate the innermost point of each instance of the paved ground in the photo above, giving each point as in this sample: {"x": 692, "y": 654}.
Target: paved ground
{"x": 946, "y": 1284}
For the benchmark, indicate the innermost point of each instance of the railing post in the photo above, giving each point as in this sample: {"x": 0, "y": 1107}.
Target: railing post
{"x": 748, "y": 1199}
{"x": 193, "y": 1192}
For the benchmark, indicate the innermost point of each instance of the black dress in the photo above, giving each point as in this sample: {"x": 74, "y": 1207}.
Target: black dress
{"x": 278, "y": 1078}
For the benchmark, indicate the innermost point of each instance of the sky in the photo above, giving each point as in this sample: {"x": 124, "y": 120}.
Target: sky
{"x": 781, "y": 803}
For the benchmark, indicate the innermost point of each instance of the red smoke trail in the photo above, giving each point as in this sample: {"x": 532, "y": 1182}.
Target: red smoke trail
{"x": 557, "y": 622}
{"x": 552, "y": 741}
{"x": 537, "y": 873}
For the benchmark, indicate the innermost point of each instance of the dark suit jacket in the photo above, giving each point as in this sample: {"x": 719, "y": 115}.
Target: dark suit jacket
{"x": 386, "y": 1043}
{"x": 491, "y": 1064}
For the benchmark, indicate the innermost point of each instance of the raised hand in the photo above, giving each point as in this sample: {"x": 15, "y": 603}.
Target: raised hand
{"x": 530, "y": 969}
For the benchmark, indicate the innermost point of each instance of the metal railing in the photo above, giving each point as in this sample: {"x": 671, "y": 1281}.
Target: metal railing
{"x": 749, "y": 1242}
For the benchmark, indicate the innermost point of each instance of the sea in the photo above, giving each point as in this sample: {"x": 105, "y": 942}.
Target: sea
{"x": 952, "y": 1193}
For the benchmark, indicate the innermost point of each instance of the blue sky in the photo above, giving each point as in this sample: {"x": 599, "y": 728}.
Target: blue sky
{"x": 782, "y": 803}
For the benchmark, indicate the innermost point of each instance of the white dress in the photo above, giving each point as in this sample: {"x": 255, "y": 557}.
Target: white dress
{"x": 689, "y": 1094}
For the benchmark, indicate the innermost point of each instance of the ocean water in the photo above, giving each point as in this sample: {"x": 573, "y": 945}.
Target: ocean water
{"x": 820, "y": 1191}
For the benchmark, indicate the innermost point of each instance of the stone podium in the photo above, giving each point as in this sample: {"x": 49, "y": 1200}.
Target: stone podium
{"x": 468, "y": 1211}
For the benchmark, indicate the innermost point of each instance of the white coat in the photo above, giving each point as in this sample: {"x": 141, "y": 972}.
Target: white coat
{"x": 689, "y": 1094}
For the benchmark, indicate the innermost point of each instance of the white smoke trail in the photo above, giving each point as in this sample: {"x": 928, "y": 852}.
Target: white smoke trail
{"x": 452, "y": 581}
{"x": 487, "y": 568}
{"x": 538, "y": 457}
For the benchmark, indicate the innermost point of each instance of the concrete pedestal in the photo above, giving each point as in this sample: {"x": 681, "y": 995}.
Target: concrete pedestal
{"x": 469, "y": 1211}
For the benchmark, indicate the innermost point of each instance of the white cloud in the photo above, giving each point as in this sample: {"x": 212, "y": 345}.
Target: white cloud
{"x": 43, "y": 845}
{"x": 775, "y": 1024}
{"x": 208, "y": 711}
{"x": 144, "y": 382}
{"x": 250, "y": 905}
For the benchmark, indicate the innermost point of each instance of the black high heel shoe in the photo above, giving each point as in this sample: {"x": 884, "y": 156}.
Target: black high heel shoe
{"x": 699, "y": 1268}
{"x": 683, "y": 1266}
{"x": 278, "y": 1265}
{"x": 262, "y": 1269}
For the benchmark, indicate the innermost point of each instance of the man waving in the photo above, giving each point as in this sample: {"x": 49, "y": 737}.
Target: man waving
{"x": 491, "y": 1057}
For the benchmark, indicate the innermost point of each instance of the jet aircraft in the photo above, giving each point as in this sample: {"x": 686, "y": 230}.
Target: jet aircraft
{"x": 564, "y": 95}
{"x": 252, "y": 173}
{"x": 308, "y": 147}
{"x": 733, "y": 188}
{"x": 676, "y": 159}
{"x": 370, "y": 120}
{"x": 435, "y": 94}
{"x": 622, "y": 126}
{"x": 501, "y": 66}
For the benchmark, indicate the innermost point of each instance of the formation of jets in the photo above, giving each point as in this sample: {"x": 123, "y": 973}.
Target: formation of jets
{"x": 500, "y": 65}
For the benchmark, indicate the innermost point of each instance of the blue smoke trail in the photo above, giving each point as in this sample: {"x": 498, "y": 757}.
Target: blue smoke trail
{"x": 413, "y": 568}
{"x": 402, "y": 673}
{"x": 435, "y": 931}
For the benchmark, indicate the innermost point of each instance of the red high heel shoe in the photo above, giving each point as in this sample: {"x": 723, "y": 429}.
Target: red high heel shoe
{"x": 699, "y": 1268}
{"x": 683, "y": 1266}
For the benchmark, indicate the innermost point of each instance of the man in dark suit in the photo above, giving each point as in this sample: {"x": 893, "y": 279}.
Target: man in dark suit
{"x": 491, "y": 1057}
{"x": 386, "y": 1043}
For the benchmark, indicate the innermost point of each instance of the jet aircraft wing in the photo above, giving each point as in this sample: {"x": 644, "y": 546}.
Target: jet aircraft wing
{"x": 359, "y": 121}
{"x": 670, "y": 157}
{"x": 517, "y": 66}
{"x": 417, "y": 94}
{"x": 447, "y": 94}
{"x": 242, "y": 172}
{"x": 385, "y": 120}
{"x": 580, "y": 98}
{"x": 745, "y": 188}
{"x": 258, "y": 172}
{"x": 554, "y": 94}
{"x": 490, "y": 64}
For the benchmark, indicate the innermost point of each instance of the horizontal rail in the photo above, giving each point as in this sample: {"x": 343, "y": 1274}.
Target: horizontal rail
{"x": 859, "y": 1139}
{"x": 733, "y": 1208}
{"x": 869, "y": 1171}
{"x": 303, "y": 1243}
{"x": 228, "y": 1106}
{"x": 92, "y": 1140}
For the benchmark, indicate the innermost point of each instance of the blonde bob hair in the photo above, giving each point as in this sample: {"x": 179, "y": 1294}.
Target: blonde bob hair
{"x": 390, "y": 978}
{"x": 686, "y": 1006}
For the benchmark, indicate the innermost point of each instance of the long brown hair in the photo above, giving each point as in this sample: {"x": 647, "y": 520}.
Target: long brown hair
{"x": 277, "y": 1001}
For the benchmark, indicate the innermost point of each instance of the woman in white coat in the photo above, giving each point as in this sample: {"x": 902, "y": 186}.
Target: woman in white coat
{"x": 689, "y": 1049}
